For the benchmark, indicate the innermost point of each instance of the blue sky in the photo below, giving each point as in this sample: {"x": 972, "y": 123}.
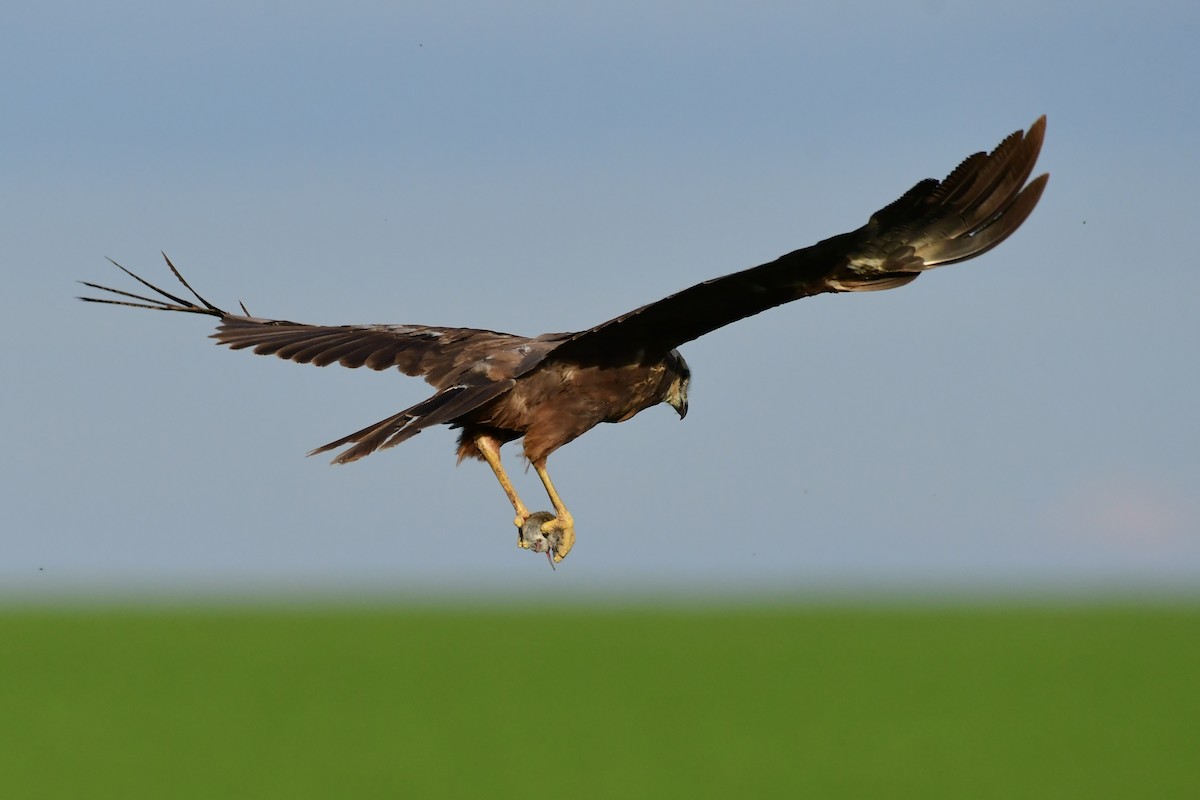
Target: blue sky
{"x": 1026, "y": 419}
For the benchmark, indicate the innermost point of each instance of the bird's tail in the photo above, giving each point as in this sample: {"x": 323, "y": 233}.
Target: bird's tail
{"x": 442, "y": 408}
{"x": 373, "y": 437}
{"x": 170, "y": 303}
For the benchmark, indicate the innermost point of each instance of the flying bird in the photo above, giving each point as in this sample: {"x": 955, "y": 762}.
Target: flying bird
{"x": 499, "y": 387}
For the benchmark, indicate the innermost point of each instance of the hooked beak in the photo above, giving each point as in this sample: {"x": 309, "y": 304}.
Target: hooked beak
{"x": 680, "y": 406}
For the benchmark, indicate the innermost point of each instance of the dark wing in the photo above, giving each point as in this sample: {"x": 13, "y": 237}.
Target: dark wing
{"x": 442, "y": 355}
{"x": 975, "y": 208}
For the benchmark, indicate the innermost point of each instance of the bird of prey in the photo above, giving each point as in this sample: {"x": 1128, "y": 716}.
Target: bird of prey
{"x": 549, "y": 389}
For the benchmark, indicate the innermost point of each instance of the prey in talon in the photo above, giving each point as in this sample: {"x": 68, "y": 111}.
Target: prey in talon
{"x": 548, "y": 390}
{"x": 534, "y": 538}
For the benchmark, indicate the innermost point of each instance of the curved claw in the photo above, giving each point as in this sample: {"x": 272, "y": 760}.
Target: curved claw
{"x": 520, "y": 520}
{"x": 560, "y": 531}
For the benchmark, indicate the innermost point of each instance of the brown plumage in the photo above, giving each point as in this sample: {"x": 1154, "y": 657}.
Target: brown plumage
{"x": 550, "y": 389}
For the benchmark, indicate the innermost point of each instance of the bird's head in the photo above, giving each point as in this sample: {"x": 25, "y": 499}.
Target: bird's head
{"x": 676, "y": 381}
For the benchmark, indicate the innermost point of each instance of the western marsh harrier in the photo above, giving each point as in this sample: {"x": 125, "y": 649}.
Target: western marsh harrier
{"x": 549, "y": 389}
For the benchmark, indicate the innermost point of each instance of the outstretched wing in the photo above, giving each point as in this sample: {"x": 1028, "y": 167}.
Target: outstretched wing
{"x": 975, "y": 208}
{"x": 442, "y": 355}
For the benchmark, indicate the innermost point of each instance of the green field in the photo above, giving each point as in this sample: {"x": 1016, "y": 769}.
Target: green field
{"x": 821, "y": 702}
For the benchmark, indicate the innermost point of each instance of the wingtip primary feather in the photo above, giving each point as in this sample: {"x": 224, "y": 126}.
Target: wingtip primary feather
{"x": 196, "y": 294}
{"x": 1037, "y": 132}
{"x": 978, "y": 205}
{"x": 154, "y": 303}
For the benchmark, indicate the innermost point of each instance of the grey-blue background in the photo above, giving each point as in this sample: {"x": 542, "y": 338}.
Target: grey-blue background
{"x": 1028, "y": 419}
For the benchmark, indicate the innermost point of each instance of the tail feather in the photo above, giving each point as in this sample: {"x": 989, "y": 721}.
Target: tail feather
{"x": 369, "y": 439}
{"x": 444, "y": 407}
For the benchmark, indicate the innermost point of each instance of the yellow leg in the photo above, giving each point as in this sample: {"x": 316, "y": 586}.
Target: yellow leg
{"x": 490, "y": 448}
{"x": 562, "y": 524}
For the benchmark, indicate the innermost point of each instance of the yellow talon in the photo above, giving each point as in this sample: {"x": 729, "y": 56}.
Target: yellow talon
{"x": 564, "y": 527}
{"x": 519, "y": 521}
